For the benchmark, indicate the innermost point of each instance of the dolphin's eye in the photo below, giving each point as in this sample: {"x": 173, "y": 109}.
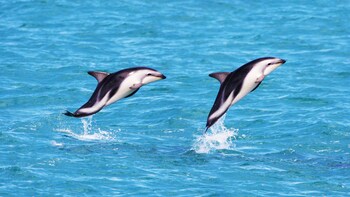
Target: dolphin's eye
{"x": 269, "y": 64}
{"x": 149, "y": 74}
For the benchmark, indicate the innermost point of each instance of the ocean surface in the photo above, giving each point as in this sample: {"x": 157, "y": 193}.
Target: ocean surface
{"x": 290, "y": 137}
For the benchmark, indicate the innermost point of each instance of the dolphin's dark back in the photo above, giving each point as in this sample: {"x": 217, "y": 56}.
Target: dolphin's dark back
{"x": 233, "y": 82}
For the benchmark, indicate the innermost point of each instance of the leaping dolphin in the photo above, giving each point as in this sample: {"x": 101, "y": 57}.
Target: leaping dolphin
{"x": 115, "y": 86}
{"x": 237, "y": 84}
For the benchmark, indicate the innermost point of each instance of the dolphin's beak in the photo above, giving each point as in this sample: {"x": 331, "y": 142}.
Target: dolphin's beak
{"x": 161, "y": 76}
{"x": 281, "y": 61}
{"x": 272, "y": 67}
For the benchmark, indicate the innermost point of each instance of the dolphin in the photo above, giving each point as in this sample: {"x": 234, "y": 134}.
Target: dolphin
{"x": 112, "y": 87}
{"x": 237, "y": 84}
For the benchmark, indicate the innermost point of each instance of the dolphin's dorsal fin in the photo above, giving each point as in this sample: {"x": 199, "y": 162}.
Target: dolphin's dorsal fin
{"x": 221, "y": 76}
{"x": 98, "y": 75}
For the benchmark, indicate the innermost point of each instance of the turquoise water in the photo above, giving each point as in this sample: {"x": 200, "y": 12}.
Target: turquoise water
{"x": 290, "y": 137}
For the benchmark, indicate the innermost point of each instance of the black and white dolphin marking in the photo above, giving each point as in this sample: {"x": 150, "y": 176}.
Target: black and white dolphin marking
{"x": 115, "y": 86}
{"x": 237, "y": 84}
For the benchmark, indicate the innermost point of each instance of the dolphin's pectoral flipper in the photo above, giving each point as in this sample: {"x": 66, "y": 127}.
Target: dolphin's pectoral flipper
{"x": 259, "y": 79}
{"x": 136, "y": 86}
{"x": 221, "y": 76}
{"x": 98, "y": 75}
{"x": 132, "y": 93}
{"x": 256, "y": 87}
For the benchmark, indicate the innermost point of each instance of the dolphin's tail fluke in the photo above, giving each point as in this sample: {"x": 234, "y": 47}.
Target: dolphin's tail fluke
{"x": 68, "y": 113}
{"x": 78, "y": 114}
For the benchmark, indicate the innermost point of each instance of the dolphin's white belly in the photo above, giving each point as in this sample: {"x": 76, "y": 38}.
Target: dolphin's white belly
{"x": 96, "y": 107}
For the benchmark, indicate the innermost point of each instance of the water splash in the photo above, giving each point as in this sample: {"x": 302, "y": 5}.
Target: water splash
{"x": 89, "y": 132}
{"x": 218, "y": 138}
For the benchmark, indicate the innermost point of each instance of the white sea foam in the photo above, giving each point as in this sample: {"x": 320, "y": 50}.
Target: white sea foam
{"x": 89, "y": 133}
{"x": 218, "y": 138}
{"x": 57, "y": 144}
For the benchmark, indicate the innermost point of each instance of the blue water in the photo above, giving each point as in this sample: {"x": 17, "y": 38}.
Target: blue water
{"x": 290, "y": 137}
